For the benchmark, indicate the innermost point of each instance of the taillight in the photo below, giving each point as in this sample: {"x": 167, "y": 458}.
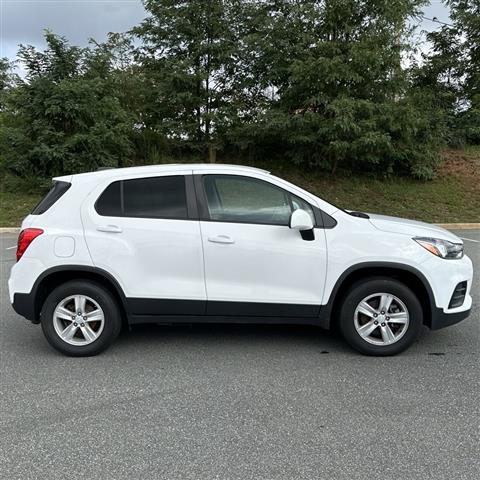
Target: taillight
{"x": 25, "y": 238}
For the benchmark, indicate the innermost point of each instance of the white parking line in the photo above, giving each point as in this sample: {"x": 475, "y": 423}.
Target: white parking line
{"x": 470, "y": 240}
{"x": 11, "y": 248}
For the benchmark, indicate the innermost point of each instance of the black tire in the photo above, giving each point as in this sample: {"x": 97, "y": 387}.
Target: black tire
{"x": 361, "y": 290}
{"x": 112, "y": 317}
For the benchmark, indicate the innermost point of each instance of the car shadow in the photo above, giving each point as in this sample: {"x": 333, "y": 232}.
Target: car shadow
{"x": 204, "y": 334}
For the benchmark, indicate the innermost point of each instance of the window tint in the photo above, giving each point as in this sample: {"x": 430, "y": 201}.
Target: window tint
{"x": 162, "y": 197}
{"x": 244, "y": 199}
{"x": 155, "y": 197}
{"x": 109, "y": 203}
{"x": 57, "y": 190}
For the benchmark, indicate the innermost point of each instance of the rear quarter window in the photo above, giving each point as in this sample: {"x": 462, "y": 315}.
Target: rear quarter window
{"x": 57, "y": 190}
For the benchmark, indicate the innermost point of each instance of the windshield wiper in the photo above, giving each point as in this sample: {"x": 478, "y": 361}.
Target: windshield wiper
{"x": 358, "y": 214}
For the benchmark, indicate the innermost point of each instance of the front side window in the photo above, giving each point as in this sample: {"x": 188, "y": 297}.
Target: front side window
{"x": 232, "y": 198}
{"x": 153, "y": 197}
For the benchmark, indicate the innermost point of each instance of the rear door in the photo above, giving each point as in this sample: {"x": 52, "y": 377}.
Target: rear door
{"x": 255, "y": 265}
{"x": 145, "y": 232}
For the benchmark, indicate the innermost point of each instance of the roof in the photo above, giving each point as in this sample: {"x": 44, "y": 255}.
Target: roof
{"x": 151, "y": 169}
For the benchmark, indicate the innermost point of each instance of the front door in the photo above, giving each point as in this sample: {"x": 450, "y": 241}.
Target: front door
{"x": 255, "y": 265}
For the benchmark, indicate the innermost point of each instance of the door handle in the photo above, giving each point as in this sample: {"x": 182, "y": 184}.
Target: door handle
{"x": 221, "y": 239}
{"x": 109, "y": 228}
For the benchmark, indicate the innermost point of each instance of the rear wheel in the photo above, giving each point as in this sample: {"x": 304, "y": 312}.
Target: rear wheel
{"x": 380, "y": 316}
{"x": 80, "y": 318}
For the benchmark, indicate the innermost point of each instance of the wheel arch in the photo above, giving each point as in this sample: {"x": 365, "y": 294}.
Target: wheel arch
{"x": 55, "y": 276}
{"x": 410, "y": 276}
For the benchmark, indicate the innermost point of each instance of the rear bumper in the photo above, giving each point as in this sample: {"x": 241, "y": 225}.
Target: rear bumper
{"x": 24, "y": 305}
{"x": 440, "y": 319}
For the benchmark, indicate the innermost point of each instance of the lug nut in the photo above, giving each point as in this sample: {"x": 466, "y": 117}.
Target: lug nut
{"x": 375, "y": 315}
{"x": 383, "y": 324}
{"x": 73, "y": 317}
{"x": 75, "y": 324}
{"x": 375, "y": 322}
{"x": 383, "y": 313}
{"x": 82, "y": 324}
{"x": 85, "y": 318}
{"x": 387, "y": 318}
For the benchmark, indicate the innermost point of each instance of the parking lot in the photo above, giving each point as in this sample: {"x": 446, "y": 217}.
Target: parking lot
{"x": 239, "y": 402}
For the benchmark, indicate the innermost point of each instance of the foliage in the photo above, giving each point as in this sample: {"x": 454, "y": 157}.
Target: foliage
{"x": 193, "y": 57}
{"x": 319, "y": 84}
{"x": 451, "y": 72}
{"x": 340, "y": 91}
{"x": 66, "y": 116}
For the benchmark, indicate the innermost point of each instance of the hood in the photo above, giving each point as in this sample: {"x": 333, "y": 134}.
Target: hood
{"x": 411, "y": 227}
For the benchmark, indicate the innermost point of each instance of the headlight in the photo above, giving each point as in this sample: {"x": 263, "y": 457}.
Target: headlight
{"x": 441, "y": 248}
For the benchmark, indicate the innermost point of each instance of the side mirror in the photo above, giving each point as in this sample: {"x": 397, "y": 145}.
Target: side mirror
{"x": 300, "y": 220}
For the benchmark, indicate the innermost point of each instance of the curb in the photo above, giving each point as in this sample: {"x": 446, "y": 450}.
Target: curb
{"x": 9, "y": 229}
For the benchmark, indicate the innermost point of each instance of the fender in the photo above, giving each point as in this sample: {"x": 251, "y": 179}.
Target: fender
{"x": 326, "y": 311}
{"x": 26, "y": 305}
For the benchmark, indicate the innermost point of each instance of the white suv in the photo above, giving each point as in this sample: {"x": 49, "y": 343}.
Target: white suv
{"x": 219, "y": 243}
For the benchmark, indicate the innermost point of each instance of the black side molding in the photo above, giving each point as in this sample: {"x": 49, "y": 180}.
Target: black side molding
{"x": 254, "y": 309}
{"x": 154, "y": 310}
{"x": 160, "y": 306}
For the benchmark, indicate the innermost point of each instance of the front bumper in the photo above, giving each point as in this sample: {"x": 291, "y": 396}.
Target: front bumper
{"x": 444, "y": 276}
{"x": 440, "y": 319}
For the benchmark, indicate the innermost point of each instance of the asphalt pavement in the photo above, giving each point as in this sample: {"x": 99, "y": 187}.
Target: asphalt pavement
{"x": 239, "y": 402}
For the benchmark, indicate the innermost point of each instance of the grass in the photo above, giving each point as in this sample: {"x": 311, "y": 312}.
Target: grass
{"x": 15, "y": 206}
{"x": 453, "y": 196}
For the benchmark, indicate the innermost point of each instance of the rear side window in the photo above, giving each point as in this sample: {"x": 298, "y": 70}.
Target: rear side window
{"x": 110, "y": 204}
{"x": 155, "y": 197}
{"x": 57, "y": 190}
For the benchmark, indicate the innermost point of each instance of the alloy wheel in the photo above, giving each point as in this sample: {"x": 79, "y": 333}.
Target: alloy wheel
{"x": 78, "y": 320}
{"x": 381, "y": 319}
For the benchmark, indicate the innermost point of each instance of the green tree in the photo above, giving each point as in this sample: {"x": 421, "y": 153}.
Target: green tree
{"x": 65, "y": 116}
{"x": 321, "y": 83}
{"x": 450, "y": 72}
{"x": 193, "y": 59}
{"x": 7, "y": 80}
{"x": 465, "y": 15}
{"x": 339, "y": 92}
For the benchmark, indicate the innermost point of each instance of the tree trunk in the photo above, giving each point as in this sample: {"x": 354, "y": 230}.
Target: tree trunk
{"x": 212, "y": 153}
{"x": 335, "y": 165}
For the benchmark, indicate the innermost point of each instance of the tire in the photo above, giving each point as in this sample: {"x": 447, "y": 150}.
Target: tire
{"x": 394, "y": 331}
{"x": 89, "y": 333}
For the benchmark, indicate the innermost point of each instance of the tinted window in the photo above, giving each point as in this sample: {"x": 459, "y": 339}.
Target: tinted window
{"x": 109, "y": 204}
{"x": 57, "y": 190}
{"x": 155, "y": 197}
{"x": 162, "y": 197}
{"x": 245, "y": 199}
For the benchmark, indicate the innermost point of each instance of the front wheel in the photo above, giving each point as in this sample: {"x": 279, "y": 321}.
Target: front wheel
{"x": 80, "y": 318}
{"x": 380, "y": 316}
